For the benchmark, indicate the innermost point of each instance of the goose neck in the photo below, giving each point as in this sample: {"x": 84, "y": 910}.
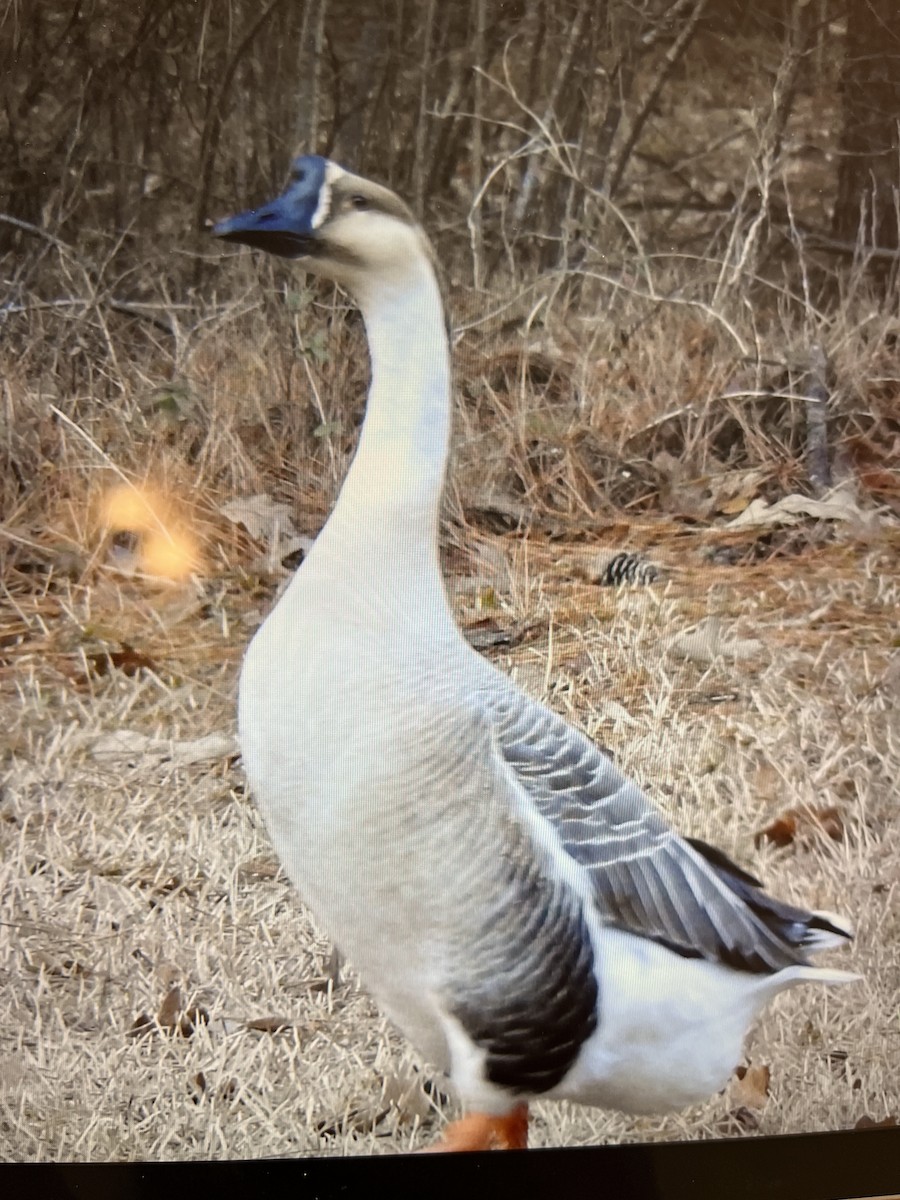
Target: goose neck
{"x": 393, "y": 489}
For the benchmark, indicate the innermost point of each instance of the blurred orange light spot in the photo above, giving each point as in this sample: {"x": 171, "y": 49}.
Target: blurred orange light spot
{"x": 174, "y": 556}
{"x": 166, "y": 546}
{"x": 134, "y": 509}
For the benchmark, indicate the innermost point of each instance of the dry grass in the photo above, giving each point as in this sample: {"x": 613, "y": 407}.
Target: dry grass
{"x": 125, "y": 878}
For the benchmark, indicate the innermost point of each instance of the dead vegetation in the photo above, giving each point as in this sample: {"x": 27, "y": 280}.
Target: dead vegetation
{"x": 165, "y": 455}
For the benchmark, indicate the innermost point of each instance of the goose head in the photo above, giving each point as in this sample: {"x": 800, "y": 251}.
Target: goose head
{"x": 337, "y": 225}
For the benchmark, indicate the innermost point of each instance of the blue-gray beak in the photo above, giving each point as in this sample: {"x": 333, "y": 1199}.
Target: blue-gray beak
{"x": 287, "y": 226}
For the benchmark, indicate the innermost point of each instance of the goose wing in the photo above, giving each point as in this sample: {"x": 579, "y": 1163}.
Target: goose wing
{"x": 646, "y": 878}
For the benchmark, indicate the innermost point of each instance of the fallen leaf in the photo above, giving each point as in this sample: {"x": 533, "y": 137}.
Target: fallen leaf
{"x": 802, "y": 823}
{"x": 362, "y": 1117}
{"x": 127, "y": 660}
{"x": 737, "y": 504}
{"x": 709, "y": 642}
{"x": 57, "y": 965}
{"x": 124, "y": 743}
{"x": 767, "y": 783}
{"x": 142, "y": 1025}
{"x": 201, "y": 1088}
{"x": 867, "y": 1122}
{"x": 510, "y": 513}
{"x": 262, "y": 517}
{"x": 203, "y": 749}
{"x": 614, "y": 713}
{"x": 875, "y": 464}
{"x": 486, "y": 634}
{"x": 750, "y": 1088}
{"x": 128, "y": 743}
{"x": 491, "y": 564}
{"x": 193, "y": 1017}
{"x": 293, "y": 551}
{"x": 265, "y": 866}
{"x": 738, "y": 1120}
{"x": 733, "y": 491}
{"x": 270, "y": 1024}
{"x": 167, "y": 1016}
{"x": 840, "y": 505}
{"x": 782, "y": 831}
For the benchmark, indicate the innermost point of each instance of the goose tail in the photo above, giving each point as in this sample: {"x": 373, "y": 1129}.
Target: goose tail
{"x": 825, "y": 930}
{"x": 791, "y": 975}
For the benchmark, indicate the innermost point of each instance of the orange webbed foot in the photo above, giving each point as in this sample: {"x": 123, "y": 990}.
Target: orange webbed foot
{"x": 479, "y": 1131}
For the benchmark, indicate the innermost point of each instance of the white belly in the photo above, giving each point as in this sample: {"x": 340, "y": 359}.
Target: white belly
{"x": 325, "y": 746}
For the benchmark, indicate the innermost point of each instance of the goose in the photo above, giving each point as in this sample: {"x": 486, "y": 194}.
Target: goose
{"x": 515, "y": 905}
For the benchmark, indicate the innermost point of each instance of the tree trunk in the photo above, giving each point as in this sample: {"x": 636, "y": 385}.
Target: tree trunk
{"x": 869, "y": 172}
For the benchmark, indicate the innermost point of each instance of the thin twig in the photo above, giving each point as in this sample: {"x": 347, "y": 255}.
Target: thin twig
{"x": 36, "y": 231}
{"x": 678, "y": 301}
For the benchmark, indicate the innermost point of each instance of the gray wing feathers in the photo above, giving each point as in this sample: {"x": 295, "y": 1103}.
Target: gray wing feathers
{"x": 646, "y": 878}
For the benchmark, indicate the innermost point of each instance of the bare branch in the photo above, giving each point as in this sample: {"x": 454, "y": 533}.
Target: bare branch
{"x": 476, "y": 227}
{"x": 816, "y": 399}
{"x": 36, "y": 231}
{"x": 529, "y": 176}
{"x": 670, "y": 60}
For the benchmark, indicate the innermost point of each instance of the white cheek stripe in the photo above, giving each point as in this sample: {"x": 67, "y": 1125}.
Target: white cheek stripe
{"x": 323, "y": 208}
{"x": 332, "y": 173}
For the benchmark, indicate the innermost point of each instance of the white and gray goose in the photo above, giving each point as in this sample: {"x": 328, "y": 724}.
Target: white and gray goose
{"x": 514, "y": 903}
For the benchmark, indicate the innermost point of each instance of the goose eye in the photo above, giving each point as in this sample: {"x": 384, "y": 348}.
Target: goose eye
{"x": 359, "y": 202}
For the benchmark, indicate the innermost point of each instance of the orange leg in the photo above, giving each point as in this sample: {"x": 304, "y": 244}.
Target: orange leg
{"x": 478, "y": 1131}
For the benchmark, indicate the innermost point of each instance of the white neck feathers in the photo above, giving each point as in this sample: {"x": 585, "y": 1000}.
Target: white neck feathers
{"x": 386, "y": 517}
